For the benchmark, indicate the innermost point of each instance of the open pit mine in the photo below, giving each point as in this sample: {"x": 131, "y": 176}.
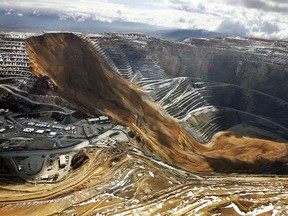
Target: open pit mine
{"x": 127, "y": 124}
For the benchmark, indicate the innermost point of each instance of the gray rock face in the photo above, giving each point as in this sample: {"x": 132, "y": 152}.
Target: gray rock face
{"x": 209, "y": 85}
{"x": 249, "y": 63}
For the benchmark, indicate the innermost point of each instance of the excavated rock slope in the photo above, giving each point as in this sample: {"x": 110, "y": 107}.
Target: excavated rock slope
{"x": 87, "y": 81}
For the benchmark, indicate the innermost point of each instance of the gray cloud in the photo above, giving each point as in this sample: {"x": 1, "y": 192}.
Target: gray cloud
{"x": 269, "y": 28}
{"x": 182, "y": 20}
{"x": 279, "y": 6}
{"x": 249, "y": 28}
{"x": 233, "y": 27}
{"x": 280, "y": 1}
{"x": 186, "y": 5}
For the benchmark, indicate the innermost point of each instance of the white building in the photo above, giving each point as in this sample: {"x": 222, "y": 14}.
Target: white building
{"x": 62, "y": 161}
{"x": 28, "y": 130}
{"x": 40, "y": 131}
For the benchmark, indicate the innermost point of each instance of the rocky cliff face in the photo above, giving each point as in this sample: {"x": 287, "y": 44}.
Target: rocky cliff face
{"x": 88, "y": 81}
{"x": 249, "y": 63}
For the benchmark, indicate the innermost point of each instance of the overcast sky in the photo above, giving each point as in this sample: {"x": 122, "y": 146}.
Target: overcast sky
{"x": 257, "y": 18}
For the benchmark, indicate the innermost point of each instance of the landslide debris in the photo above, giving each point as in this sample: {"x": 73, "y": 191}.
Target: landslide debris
{"x": 85, "y": 79}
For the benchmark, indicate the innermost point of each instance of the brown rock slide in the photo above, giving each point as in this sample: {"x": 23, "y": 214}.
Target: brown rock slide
{"x": 86, "y": 80}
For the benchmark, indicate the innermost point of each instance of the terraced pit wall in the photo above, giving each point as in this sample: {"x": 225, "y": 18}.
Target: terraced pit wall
{"x": 248, "y": 63}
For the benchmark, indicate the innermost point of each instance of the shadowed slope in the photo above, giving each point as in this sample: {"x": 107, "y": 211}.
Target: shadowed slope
{"x": 87, "y": 81}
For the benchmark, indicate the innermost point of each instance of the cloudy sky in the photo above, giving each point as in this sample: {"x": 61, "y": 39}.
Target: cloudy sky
{"x": 257, "y": 18}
